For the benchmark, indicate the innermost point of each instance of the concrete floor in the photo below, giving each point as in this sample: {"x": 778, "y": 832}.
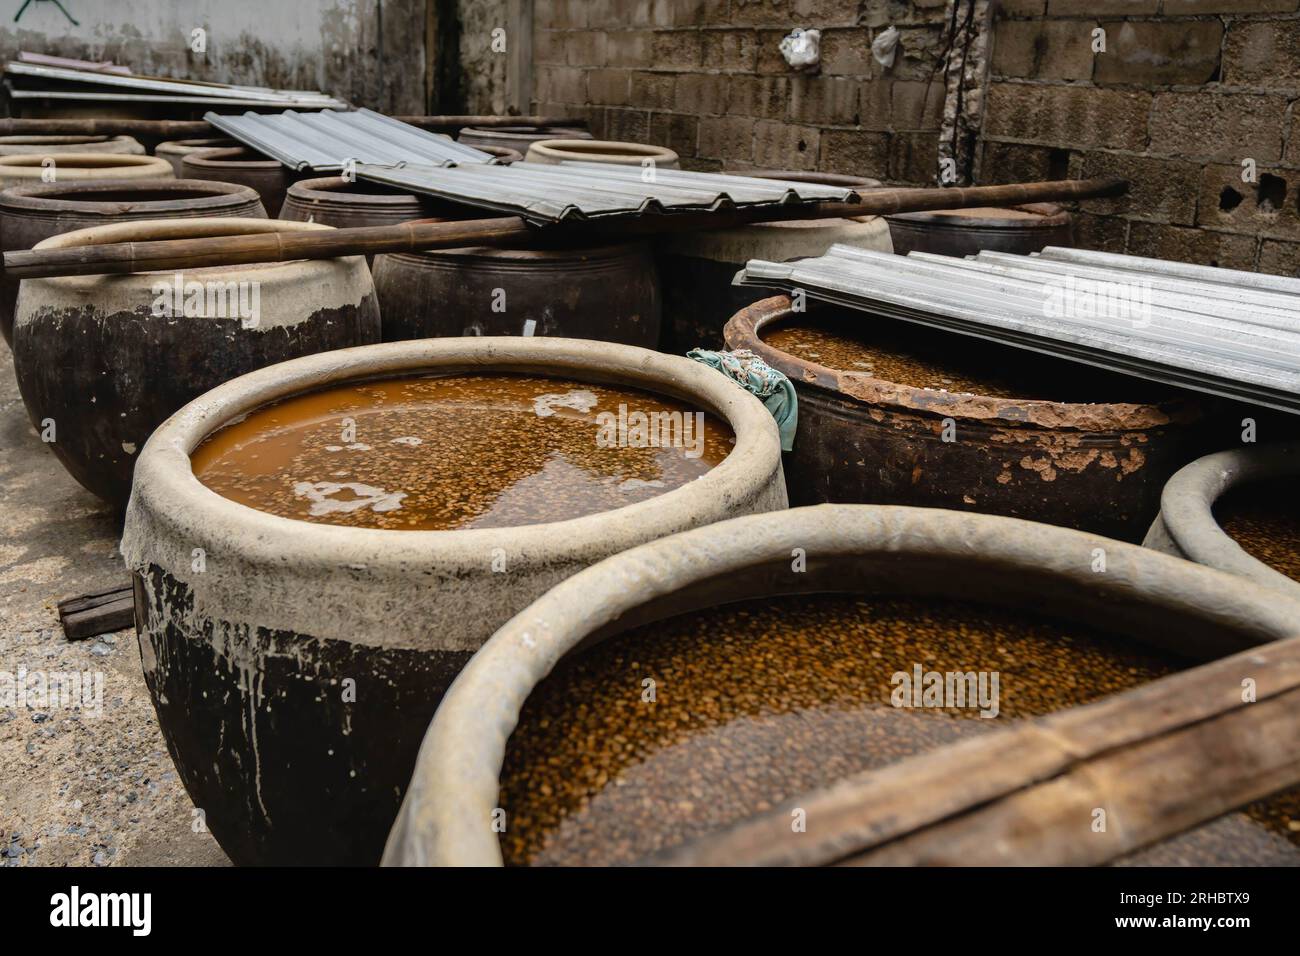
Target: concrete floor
{"x": 76, "y": 788}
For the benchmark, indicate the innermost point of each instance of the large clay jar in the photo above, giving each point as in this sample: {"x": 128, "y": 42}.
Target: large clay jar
{"x": 94, "y": 357}
{"x": 894, "y": 413}
{"x": 1235, "y": 510}
{"x": 554, "y": 151}
{"x": 517, "y": 138}
{"x": 29, "y": 214}
{"x": 696, "y": 268}
{"x": 177, "y": 149}
{"x": 50, "y": 145}
{"x": 335, "y": 201}
{"x": 964, "y": 232}
{"x": 769, "y": 739}
{"x": 243, "y": 166}
{"x": 249, "y": 660}
{"x": 79, "y": 167}
{"x": 608, "y": 292}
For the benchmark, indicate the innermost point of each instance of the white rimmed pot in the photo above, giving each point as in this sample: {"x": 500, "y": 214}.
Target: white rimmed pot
{"x": 1192, "y": 611}
{"x": 1186, "y": 525}
{"x": 246, "y": 659}
{"x": 613, "y": 152}
{"x": 23, "y": 170}
{"x": 50, "y": 145}
{"x": 102, "y": 360}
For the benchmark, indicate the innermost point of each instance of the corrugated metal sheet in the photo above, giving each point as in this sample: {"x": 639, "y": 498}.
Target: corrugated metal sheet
{"x": 324, "y": 141}
{"x": 595, "y": 190}
{"x": 251, "y": 95}
{"x": 1154, "y": 325}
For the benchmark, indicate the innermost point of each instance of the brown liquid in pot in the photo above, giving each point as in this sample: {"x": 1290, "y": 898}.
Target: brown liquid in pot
{"x": 462, "y": 451}
{"x": 760, "y": 701}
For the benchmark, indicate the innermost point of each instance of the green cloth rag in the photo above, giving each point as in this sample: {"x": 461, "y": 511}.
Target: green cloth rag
{"x": 749, "y": 371}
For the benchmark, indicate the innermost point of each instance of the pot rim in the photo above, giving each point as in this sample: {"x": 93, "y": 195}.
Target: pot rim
{"x": 333, "y": 189}
{"x": 184, "y": 146}
{"x": 24, "y": 164}
{"x": 457, "y": 773}
{"x": 166, "y": 488}
{"x": 1187, "y": 508}
{"x": 743, "y": 329}
{"x": 46, "y": 197}
{"x": 582, "y": 150}
{"x": 1050, "y": 216}
{"x": 225, "y": 157}
{"x": 513, "y": 133}
{"x": 58, "y": 139}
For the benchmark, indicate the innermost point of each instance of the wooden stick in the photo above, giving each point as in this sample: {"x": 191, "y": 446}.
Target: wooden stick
{"x": 174, "y": 254}
{"x": 190, "y": 129}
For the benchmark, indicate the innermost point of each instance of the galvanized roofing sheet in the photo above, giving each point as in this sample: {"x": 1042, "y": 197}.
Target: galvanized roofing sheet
{"x": 324, "y": 141}
{"x": 1153, "y": 324}
{"x": 304, "y": 99}
{"x": 547, "y": 193}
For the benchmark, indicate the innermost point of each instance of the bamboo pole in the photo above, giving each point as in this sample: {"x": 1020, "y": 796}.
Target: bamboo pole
{"x": 190, "y": 129}
{"x": 118, "y": 258}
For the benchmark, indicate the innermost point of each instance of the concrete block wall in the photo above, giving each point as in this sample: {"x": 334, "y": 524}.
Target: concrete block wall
{"x": 1184, "y": 94}
{"x": 706, "y": 78}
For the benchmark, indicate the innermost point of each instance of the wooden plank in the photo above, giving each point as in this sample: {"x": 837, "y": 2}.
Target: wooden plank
{"x": 91, "y": 614}
{"x": 978, "y": 791}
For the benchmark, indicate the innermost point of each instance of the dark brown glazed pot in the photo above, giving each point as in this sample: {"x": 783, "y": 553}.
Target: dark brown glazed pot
{"x": 246, "y": 167}
{"x": 696, "y": 269}
{"x": 29, "y": 214}
{"x": 517, "y": 138}
{"x": 100, "y": 361}
{"x": 177, "y": 149}
{"x": 610, "y": 293}
{"x": 1093, "y": 465}
{"x": 964, "y": 232}
{"x": 335, "y": 201}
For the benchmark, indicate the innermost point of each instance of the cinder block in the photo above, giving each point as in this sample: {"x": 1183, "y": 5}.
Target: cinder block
{"x": 1097, "y": 8}
{"x": 847, "y": 53}
{"x": 764, "y": 97}
{"x": 1148, "y": 53}
{"x": 1068, "y": 115}
{"x": 1103, "y": 233}
{"x": 1159, "y": 189}
{"x": 677, "y": 49}
{"x": 1266, "y": 207}
{"x": 829, "y": 13}
{"x": 823, "y": 101}
{"x": 561, "y": 84}
{"x": 726, "y": 137}
{"x": 653, "y": 90}
{"x": 914, "y": 158}
{"x": 915, "y": 105}
{"x": 676, "y": 131}
{"x": 1018, "y": 163}
{"x": 1229, "y": 127}
{"x": 1184, "y": 7}
{"x": 1262, "y": 53}
{"x": 608, "y": 87}
{"x": 629, "y": 48}
{"x": 1200, "y": 246}
{"x": 730, "y": 50}
{"x": 761, "y": 13}
{"x": 1043, "y": 49}
{"x": 628, "y": 125}
{"x": 1279, "y": 258}
{"x": 548, "y": 47}
{"x": 786, "y": 145}
{"x": 855, "y": 153}
{"x": 584, "y": 47}
{"x": 704, "y": 94}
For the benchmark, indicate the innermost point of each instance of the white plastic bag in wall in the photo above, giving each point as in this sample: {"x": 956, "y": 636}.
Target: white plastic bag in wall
{"x": 802, "y": 48}
{"x": 885, "y": 47}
